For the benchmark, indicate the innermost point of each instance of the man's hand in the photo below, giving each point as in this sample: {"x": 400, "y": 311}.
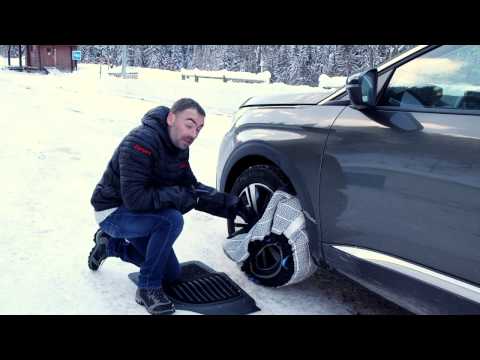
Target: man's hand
{"x": 217, "y": 203}
{"x": 234, "y": 206}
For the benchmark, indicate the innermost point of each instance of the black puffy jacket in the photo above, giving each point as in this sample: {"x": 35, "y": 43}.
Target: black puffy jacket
{"x": 147, "y": 172}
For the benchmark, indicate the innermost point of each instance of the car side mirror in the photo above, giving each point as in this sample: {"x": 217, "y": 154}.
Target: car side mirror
{"x": 362, "y": 89}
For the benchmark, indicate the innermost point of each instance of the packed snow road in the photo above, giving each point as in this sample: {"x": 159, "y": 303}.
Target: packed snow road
{"x": 58, "y": 132}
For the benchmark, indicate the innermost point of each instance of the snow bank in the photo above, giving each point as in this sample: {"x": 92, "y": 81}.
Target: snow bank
{"x": 331, "y": 82}
{"x": 13, "y": 62}
{"x": 165, "y": 86}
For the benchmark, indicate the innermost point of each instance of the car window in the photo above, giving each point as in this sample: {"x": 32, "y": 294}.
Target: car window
{"x": 446, "y": 77}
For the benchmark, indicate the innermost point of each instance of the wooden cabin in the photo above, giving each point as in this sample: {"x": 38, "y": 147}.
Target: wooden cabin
{"x": 51, "y": 56}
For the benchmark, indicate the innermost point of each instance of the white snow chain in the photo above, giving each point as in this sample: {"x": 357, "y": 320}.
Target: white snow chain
{"x": 283, "y": 215}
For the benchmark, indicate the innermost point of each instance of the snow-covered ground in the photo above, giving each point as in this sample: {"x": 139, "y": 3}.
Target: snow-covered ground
{"x": 58, "y": 133}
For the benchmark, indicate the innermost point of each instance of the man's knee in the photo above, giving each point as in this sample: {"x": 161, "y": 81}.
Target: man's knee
{"x": 175, "y": 218}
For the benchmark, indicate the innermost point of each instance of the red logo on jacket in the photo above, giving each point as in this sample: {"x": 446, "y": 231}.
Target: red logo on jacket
{"x": 142, "y": 149}
{"x": 183, "y": 165}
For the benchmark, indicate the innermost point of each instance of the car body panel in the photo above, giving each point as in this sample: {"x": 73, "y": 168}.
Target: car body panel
{"x": 417, "y": 296}
{"x": 412, "y": 194}
{"x": 310, "y": 98}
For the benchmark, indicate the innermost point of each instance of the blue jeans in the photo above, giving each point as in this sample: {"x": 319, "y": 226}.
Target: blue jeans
{"x": 145, "y": 239}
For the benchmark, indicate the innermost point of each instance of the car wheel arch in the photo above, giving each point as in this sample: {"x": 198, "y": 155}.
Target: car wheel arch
{"x": 251, "y": 154}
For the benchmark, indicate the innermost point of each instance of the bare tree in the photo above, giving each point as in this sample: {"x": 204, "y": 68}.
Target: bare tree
{"x": 20, "y": 55}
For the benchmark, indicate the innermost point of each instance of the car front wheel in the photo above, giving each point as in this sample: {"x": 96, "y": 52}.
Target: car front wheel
{"x": 270, "y": 261}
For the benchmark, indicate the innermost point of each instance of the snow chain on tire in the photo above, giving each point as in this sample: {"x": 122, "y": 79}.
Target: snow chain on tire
{"x": 282, "y": 225}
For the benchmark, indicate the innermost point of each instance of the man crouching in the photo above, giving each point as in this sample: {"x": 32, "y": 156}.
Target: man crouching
{"x": 141, "y": 198}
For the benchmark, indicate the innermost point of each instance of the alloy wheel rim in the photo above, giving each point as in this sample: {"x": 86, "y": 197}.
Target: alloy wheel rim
{"x": 255, "y": 197}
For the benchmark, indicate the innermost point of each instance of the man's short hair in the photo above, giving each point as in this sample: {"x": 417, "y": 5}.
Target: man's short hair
{"x": 187, "y": 103}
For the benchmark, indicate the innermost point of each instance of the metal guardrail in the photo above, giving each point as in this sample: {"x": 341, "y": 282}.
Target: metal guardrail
{"x": 127, "y": 75}
{"x": 224, "y": 78}
{"x": 27, "y": 69}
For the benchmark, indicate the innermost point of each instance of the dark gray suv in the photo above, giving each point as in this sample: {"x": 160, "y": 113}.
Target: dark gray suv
{"x": 387, "y": 171}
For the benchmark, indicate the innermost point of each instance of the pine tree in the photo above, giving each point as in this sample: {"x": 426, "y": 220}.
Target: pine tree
{"x": 281, "y": 64}
{"x": 177, "y": 57}
{"x": 139, "y": 56}
{"x": 231, "y": 58}
{"x": 154, "y": 58}
{"x": 188, "y": 55}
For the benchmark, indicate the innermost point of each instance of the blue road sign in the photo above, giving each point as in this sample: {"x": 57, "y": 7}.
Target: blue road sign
{"x": 76, "y": 55}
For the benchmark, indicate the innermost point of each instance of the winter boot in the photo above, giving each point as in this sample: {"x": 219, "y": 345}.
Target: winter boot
{"x": 155, "y": 301}
{"x": 99, "y": 252}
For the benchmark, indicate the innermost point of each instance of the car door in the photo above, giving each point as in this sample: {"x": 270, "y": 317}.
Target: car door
{"x": 402, "y": 180}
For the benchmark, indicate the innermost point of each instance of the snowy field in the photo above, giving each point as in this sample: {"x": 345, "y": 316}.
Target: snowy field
{"x": 58, "y": 133}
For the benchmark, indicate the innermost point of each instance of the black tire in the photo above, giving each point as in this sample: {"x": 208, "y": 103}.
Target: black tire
{"x": 270, "y": 262}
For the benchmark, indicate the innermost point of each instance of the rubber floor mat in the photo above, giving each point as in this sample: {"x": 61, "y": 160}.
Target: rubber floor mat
{"x": 203, "y": 290}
